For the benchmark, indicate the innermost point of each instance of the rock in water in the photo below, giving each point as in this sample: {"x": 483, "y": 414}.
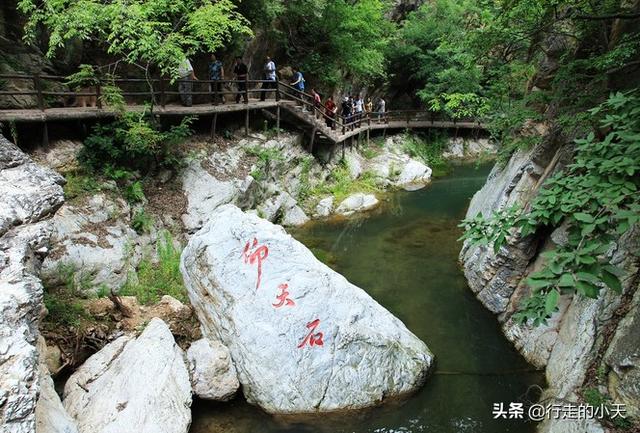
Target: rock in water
{"x": 302, "y": 338}
{"x": 212, "y": 373}
{"x": 132, "y": 385}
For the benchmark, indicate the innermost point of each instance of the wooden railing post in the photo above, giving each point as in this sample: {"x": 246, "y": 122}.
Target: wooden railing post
{"x": 246, "y": 89}
{"x": 98, "y": 95}
{"x": 277, "y": 89}
{"x": 37, "y": 84}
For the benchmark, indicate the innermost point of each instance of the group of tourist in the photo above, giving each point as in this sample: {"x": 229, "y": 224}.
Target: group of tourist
{"x": 353, "y": 109}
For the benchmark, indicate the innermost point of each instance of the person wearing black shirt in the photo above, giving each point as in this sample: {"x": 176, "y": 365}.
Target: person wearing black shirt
{"x": 241, "y": 71}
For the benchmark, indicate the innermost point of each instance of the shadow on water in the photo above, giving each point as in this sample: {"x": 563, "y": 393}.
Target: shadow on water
{"x": 406, "y": 257}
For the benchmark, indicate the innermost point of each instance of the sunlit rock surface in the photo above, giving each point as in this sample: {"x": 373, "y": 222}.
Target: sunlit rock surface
{"x": 302, "y": 338}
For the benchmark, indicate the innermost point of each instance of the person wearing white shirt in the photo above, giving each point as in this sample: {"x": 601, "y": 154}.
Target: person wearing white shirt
{"x": 270, "y": 76}
{"x": 185, "y": 82}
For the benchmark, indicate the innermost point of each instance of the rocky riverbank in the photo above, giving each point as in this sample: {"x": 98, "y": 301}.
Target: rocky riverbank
{"x": 589, "y": 347}
{"x": 108, "y": 265}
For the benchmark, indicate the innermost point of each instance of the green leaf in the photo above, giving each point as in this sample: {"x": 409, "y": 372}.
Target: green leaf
{"x": 588, "y": 289}
{"x": 584, "y": 217}
{"x": 536, "y": 284}
{"x": 611, "y": 281}
{"x": 551, "y": 301}
{"x": 566, "y": 280}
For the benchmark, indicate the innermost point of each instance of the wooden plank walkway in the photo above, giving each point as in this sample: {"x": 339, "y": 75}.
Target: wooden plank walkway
{"x": 82, "y": 113}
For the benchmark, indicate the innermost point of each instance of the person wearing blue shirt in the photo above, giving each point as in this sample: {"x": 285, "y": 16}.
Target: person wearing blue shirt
{"x": 216, "y": 73}
{"x": 298, "y": 80}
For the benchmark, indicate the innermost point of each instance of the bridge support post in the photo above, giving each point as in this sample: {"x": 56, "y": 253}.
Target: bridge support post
{"x": 45, "y": 135}
{"x": 214, "y": 121}
{"x": 246, "y": 123}
{"x": 313, "y": 137}
{"x": 367, "y": 137}
{"x": 278, "y": 121}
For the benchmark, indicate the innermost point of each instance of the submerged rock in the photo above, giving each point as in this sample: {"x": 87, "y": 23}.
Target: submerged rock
{"x": 213, "y": 375}
{"x": 302, "y": 338}
{"x": 132, "y": 385}
{"x": 357, "y": 203}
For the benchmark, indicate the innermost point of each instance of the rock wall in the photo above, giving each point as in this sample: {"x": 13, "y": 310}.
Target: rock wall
{"x": 30, "y": 194}
{"x": 585, "y": 333}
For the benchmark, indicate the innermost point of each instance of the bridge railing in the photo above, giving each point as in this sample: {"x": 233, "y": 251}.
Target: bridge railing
{"x": 50, "y": 91}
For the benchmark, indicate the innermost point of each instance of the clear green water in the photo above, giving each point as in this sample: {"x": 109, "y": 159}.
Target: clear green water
{"x": 405, "y": 257}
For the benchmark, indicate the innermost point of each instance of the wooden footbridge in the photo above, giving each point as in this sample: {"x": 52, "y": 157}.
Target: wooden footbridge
{"x": 53, "y": 102}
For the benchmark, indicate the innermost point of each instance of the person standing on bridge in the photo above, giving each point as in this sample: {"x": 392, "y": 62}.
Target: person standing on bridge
{"x": 368, "y": 107}
{"x": 216, "y": 73}
{"x": 331, "y": 110}
{"x": 298, "y": 84}
{"x": 241, "y": 71}
{"x": 381, "y": 109}
{"x": 269, "y": 76}
{"x": 359, "y": 109}
{"x": 185, "y": 83}
{"x": 317, "y": 102}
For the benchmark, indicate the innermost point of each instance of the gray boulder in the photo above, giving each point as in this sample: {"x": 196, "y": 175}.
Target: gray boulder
{"x": 213, "y": 375}
{"x": 302, "y": 338}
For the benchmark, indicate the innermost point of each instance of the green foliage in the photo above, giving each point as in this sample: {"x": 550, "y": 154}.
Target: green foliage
{"x": 305, "y": 181}
{"x": 154, "y": 280}
{"x": 597, "y": 199}
{"x": 133, "y": 142}
{"x": 267, "y": 158}
{"x": 64, "y": 312}
{"x": 153, "y": 32}
{"x": 134, "y": 193}
{"x": 429, "y": 148}
{"x": 141, "y": 222}
{"x": 79, "y": 184}
{"x": 337, "y": 40}
{"x": 340, "y": 184}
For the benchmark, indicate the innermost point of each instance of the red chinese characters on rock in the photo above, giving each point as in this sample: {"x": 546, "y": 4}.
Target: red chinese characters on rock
{"x": 283, "y": 297}
{"x": 254, "y": 253}
{"x": 311, "y": 338}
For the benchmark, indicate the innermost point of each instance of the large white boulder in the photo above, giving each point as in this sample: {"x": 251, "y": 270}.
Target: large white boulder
{"x": 324, "y": 207}
{"x": 358, "y": 202}
{"x": 213, "y": 375}
{"x": 132, "y": 385}
{"x": 415, "y": 175}
{"x": 302, "y": 338}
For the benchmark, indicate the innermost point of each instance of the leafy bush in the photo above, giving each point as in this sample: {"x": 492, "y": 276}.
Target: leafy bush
{"x": 596, "y": 197}
{"x": 134, "y": 192}
{"x": 340, "y": 184}
{"x": 429, "y": 150}
{"x": 141, "y": 222}
{"x": 153, "y": 280}
{"x": 79, "y": 184}
{"x": 267, "y": 157}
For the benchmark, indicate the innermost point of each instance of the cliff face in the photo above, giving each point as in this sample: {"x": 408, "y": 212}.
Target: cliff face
{"x": 586, "y": 335}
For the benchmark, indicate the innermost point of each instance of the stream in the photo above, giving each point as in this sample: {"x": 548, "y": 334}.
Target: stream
{"x": 405, "y": 256}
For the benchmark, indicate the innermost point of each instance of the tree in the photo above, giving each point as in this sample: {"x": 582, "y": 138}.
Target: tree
{"x": 158, "y": 33}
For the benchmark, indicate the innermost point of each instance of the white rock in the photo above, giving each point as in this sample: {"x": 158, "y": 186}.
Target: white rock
{"x": 324, "y": 207}
{"x": 213, "y": 375}
{"x": 302, "y": 338}
{"x": 354, "y": 165}
{"x": 29, "y": 193}
{"x": 132, "y": 385}
{"x": 50, "y": 414}
{"x": 284, "y": 209}
{"x": 415, "y": 175}
{"x": 93, "y": 241}
{"x": 204, "y": 194}
{"x": 358, "y": 202}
